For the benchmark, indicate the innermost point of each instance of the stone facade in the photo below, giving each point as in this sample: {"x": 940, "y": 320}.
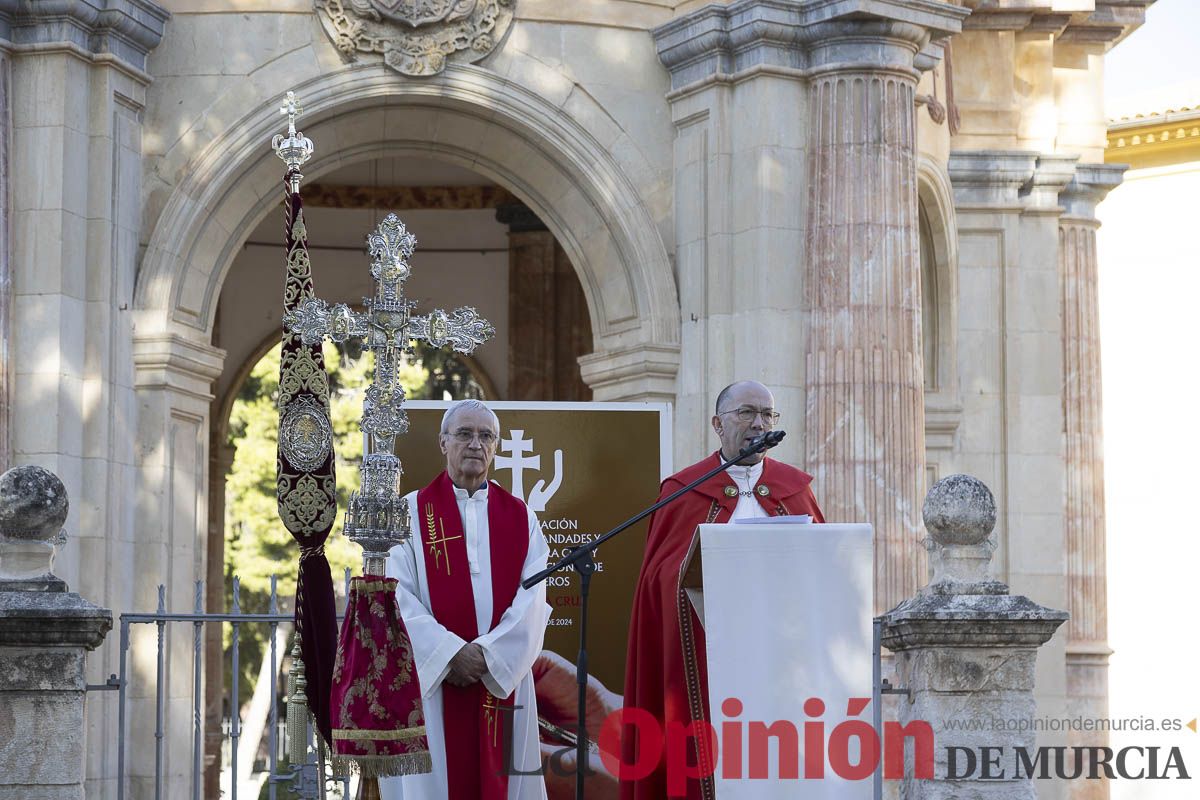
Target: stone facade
{"x": 820, "y": 195}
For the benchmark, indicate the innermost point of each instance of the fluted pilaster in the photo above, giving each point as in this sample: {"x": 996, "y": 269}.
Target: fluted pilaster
{"x": 1087, "y": 630}
{"x": 865, "y": 389}
{"x": 1084, "y": 516}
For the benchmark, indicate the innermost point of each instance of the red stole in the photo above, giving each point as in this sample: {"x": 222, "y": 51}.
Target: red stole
{"x": 472, "y": 714}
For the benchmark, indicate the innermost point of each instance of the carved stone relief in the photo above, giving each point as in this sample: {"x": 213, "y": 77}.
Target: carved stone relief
{"x": 416, "y": 37}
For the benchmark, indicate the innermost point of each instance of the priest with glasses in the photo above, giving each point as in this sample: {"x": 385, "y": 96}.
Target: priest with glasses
{"x": 475, "y": 632}
{"x": 666, "y": 672}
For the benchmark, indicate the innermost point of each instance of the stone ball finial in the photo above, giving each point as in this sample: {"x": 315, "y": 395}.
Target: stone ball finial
{"x": 33, "y": 504}
{"x": 959, "y": 510}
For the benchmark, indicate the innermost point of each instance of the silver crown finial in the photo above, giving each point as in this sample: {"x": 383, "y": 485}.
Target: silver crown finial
{"x": 294, "y": 148}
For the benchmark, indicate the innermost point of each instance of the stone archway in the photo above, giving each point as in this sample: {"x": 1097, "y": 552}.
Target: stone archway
{"x": 561, "y": 169}
{"x": 560, "y": 164}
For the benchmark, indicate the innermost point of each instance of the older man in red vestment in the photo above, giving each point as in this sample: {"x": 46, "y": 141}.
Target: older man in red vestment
{"x": 665, "y": 672}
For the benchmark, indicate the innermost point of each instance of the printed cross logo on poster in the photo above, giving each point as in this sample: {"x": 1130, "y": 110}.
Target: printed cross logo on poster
{"x": 518, "y": 462}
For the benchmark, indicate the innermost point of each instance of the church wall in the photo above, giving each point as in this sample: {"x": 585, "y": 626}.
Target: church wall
{"x": 943, "y": 405}
{"x": 739, "y": 223}
{"x": 1011, "y": 371}
{"x": 618, "y": 69}
{"x": 983, "y": 90}
{"x": 943, "y": 389}
{"x": 76, "y": 174}
{"x": 1007, "y": 179}
{"x": 623, "y": 305}
{"x": 1033, "y": 91}
{"x": 5, "y": 266}
{"x": 704, "y": 192}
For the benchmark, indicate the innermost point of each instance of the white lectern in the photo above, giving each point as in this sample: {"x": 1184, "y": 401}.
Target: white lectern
{"x": 787, "y": 612}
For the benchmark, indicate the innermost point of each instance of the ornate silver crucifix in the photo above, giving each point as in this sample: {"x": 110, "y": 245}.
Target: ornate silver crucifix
{"x": 377, "y": 517}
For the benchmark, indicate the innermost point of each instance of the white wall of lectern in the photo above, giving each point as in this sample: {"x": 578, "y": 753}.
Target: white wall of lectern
{"x": 787, "y": 617}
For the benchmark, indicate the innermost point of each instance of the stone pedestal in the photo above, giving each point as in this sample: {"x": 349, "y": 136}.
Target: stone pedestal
{"x": 44, "y": 638}
{"x": 966, "y": 650}
{"x": 45, "y": 633}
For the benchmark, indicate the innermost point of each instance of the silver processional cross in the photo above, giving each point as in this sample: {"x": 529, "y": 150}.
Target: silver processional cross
{"x": 377, "y": 517}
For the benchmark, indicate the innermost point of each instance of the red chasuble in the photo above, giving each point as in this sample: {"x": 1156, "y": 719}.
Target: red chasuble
{"x": 474, "y": 723}
{"x": 665, "y": 672}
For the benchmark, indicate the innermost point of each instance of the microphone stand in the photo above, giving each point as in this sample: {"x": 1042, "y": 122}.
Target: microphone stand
{"x": 581, "y": 560}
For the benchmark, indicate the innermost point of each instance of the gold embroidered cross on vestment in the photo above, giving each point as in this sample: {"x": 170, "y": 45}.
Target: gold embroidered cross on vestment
{"x": 436, "y": 545}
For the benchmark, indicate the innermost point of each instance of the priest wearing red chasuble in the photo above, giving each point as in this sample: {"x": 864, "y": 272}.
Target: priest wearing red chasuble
{"x": 475, "y": 632}
{"x": 666, "y": 672}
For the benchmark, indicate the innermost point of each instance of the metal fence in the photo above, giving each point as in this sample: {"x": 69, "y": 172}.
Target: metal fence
{"x": 311, "y": 780}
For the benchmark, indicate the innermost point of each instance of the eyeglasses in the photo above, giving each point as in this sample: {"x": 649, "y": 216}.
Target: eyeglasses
{"x": 464, "y": 436}
{"x": 747, "y": 414}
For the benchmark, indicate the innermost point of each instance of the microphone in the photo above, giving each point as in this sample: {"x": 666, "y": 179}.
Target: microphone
{"x": 764, "y": 442}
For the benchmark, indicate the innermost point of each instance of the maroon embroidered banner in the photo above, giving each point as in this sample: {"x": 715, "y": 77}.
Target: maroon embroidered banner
{"x": 378, "y": 720}
{"x": 472, "y": 713}
{"x": 306, "y": 487}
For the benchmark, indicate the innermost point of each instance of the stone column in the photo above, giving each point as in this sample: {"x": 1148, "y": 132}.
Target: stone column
{"x": 1010, "y": 354}
{"x": 173, "y": 379}
{"x": 220, "y": 462}
{"x": 549, "y": 326}
{"x": 750, "y": 204}
{"x": 78, "y": 88}
{"x": 1087, "y": 631}
{"x": 45, "y": 633}
{"x": 865, "y": 410}
{"x": 5, "y": 264}
{"x": 966, "y": 650}
{"x": 738, "y": 209}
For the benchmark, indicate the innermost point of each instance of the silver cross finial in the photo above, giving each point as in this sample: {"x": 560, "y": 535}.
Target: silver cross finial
{"x": 292, "y": 108}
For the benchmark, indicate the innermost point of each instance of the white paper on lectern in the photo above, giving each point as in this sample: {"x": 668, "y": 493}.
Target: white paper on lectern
{"x": 788, "y": 613}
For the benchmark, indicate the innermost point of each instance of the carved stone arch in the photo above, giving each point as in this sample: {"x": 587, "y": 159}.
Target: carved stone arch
{"x": 554, "y": 161}
{"x": 939, "y": 233}
{"x": 553, "y": 146}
